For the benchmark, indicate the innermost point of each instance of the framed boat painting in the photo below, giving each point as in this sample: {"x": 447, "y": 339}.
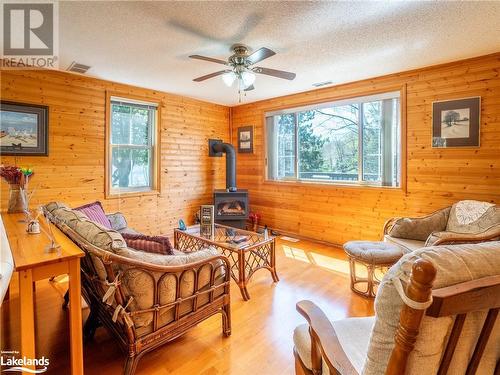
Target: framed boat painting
{"x": 23, "y": 129}
{"x": 455, "y": 123}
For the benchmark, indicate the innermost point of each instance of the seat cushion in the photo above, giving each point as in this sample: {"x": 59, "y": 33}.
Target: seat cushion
{"x": 405, "y": 244}
{"x": 374, "y": 252}
{"x": 353, "y": 335}
{"x": 470, "y": 216}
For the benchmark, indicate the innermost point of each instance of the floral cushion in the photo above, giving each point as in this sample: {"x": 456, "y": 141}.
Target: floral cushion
{"x": 470, "y": 216}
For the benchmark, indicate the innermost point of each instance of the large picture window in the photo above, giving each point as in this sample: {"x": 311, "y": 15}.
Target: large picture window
{"x": 132, "y": 146}
{"x": 350, "y": 141}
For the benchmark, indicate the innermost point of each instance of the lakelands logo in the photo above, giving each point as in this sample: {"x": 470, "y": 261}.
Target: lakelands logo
{"x": 10, "y": 364}
{"x": 29, "y": 35}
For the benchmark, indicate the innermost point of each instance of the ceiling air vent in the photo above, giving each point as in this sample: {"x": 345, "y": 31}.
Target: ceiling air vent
{"x": 321, "y": 84}
{"x": 78, "y": 68}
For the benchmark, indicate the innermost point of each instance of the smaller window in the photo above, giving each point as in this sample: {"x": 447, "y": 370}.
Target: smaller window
{"x": 132, "y": 146}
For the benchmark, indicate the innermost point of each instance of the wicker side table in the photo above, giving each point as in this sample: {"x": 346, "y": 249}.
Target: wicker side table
{"x": 373, "y": 255}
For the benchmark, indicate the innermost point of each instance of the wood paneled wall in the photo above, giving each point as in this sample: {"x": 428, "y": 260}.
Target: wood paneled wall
{"x": 74, "y": 170}
{"x": 435, "y": 177}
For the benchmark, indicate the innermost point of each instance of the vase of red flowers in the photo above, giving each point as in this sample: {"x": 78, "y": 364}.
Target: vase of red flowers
{"x": 18, "y": 179}
{"x": 254, "y": 218}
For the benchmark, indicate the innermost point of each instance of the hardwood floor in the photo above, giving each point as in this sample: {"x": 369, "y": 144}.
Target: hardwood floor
{"x": 261, "y": 340}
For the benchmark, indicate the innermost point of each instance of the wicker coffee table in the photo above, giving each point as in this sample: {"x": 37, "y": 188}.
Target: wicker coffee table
{"x": 246, "y": 257}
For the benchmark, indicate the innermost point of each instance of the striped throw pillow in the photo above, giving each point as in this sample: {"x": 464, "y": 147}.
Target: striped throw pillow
{"x": 149, "y": 244}
{"x": 95, "y": 212}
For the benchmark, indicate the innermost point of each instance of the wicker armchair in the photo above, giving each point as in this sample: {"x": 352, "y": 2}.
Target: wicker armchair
{"x": 144, "y": 304}
{"x": 464, "y": 222}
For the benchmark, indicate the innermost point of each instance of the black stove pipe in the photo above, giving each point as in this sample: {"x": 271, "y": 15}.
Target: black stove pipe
{"x": 228, "y": 149}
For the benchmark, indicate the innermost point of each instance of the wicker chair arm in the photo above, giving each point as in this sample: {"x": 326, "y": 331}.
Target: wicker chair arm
{"x": 450, "y": 238}
{"x": 324, "y": 341}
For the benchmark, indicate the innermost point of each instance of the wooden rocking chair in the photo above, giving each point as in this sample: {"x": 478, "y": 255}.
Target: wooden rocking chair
{"x": 330, "y": 352}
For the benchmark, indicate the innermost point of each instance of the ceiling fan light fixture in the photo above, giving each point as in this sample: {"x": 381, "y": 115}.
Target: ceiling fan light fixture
{"x": 248, "y": 79}
{"x": 228, "y": 78}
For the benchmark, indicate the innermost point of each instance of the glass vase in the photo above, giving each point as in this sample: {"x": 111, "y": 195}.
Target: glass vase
{"x": 17, "y": 200}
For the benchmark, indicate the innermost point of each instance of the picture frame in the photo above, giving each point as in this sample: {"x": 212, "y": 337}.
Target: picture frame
{"x": 456, "y": 123}
{"x": 245, "y": 139}
{"x": 24, "y": 129}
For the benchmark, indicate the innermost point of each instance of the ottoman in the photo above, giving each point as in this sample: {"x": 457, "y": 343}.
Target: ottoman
{"x": 373, "y": 255}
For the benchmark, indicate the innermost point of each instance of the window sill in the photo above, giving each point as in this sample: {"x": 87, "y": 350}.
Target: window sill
{"x": 342, "y": 185}
{"x": 131, "y": 194}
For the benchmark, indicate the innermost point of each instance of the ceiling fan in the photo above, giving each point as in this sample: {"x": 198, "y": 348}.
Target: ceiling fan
{"x": 240, "y": 69}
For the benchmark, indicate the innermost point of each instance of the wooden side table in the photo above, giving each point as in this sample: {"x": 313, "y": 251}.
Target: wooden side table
{"x": 34, "y": 263}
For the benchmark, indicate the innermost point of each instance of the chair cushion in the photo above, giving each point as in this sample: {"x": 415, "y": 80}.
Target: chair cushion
{"x": 352, "y": 333}
{"x": 472, "y": 216}
{"x": 118, "y": 221}
{"x": 421, "y": 227}
{"x": 405, "y": 244}
{"x": 375, "y": 252}
{"x": 150, "y": 244}
{"x": 302, "y": 344}
{"x": 95, "y": 212}
{"x": 95, "y": 233}
{"x": 454, "y": 264}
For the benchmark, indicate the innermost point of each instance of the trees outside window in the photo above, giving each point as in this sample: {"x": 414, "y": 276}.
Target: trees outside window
{"x": 132, "y": 145}
{"x": 353, "y": 141}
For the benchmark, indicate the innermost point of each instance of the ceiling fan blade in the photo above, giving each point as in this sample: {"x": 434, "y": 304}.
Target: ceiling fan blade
{"x": 211, "y": 59}
{"x": 259, "y": 55}
{"x": 275, "y": 73}
{"x": 211, "y": 75}
{"x": 249, "y": 88}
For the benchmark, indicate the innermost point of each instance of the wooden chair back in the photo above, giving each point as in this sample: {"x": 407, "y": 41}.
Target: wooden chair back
{"x": 482, "y": 294}
{"x": 457, "y": 300}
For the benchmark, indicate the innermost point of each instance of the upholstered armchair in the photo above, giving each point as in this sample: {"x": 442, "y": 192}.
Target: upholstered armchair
{"x": 465, "y": 222}
{"x": 436, "y": 313}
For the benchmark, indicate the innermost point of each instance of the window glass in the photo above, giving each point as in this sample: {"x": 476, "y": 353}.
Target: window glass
{"x": 353, "y": 141}
{"x": 132, "y": 146}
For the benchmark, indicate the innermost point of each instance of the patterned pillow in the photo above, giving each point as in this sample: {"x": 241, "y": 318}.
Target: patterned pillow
{"x": 149, "y": 244}
{"x": 95, "y": 212}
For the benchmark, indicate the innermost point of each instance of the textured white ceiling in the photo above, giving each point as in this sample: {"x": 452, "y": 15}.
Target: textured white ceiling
{"x": 147, "y": 44}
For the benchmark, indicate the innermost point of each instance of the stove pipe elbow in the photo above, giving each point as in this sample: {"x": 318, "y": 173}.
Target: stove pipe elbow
{"x": 228, "y": 149}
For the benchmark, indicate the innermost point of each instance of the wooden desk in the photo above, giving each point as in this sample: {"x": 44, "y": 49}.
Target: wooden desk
{"x": 33, "y": 263}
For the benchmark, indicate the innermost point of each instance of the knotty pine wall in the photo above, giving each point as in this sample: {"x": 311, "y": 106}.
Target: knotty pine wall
{"x": 435, "y": 177}
{"x": 74, "y": 170}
